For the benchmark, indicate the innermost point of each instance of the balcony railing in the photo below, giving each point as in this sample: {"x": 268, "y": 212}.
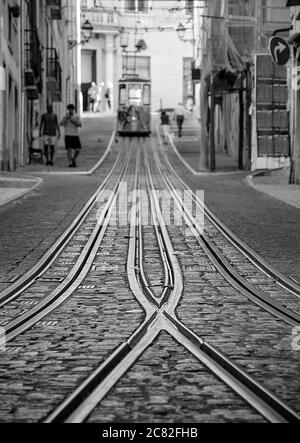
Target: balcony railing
{"x": 101, "y": 19}
{"x": 54, "y": 74}
{"x": 33, "y": 60}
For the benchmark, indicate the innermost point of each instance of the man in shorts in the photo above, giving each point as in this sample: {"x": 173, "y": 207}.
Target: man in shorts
{"x": 71, "y": 122}
{"x": 49, "y": 130}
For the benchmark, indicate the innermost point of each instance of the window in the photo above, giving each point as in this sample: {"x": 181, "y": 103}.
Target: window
{"x": 12, "y": 31}
{"x": 135, "y": 95}
{"x": 190, "y": 7}
{"x": 244, "y": 8}
{"x": 138, "y": 65}
{"x": 130, "y": 5}
{"x": 123, "y": 95}
{"x": 136, "y": 5}
{"x": 147, "y": 95}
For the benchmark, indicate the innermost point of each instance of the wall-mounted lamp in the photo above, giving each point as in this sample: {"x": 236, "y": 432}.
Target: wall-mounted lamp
{"x": 181, "y": 31}
{"x": 87, "y": 33}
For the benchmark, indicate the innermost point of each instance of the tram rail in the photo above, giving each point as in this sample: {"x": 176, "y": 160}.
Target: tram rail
{"x": 217, "y": 258}
{"x": 75, "y": 277}
{"x": 41, "y": 267}
{"x": 161, "y": 317}
{"x": 286, "y": 283}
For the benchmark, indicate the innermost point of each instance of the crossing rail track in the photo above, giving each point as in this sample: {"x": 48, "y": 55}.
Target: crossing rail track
{"x": 173, "y": 182}
{"x": 160, "y": 316}
{"x": 261, "y": 265}
{"x": 153, "y": 166}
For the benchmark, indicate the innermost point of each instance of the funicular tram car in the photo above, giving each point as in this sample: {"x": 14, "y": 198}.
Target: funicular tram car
{"x": 134, "y": 113}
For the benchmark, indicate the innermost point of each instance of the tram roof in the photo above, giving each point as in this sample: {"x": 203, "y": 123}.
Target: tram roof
{"x": 134, "y": 79}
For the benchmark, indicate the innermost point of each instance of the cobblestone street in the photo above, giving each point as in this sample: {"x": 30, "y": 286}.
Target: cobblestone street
{"x": 149, "y": 215}
{"x": 35, "y": 221}
{"x": 112, "y": 315}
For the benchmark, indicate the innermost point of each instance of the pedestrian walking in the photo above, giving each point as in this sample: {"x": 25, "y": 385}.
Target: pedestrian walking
{"x": 71, "y": 122}
{"x": 92, "y": 96}
{"x": 165, "y": 124}
{"x": 108, "y": 94}
{"x": 179, "y": 117}
{"x": 49, "y": 130}
{"x": 98, "y": 100}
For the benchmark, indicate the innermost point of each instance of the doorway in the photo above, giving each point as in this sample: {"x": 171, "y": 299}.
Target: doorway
{"x": 88, "y": 74}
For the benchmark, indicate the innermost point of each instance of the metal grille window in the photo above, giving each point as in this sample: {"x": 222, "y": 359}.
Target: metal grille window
{"x": 272, "y": 108}
{"x": 190, "y": 7}
{"x": 54, "y": 74}
{"x": 33, "y": 59}
{"x": 138, "y": 65}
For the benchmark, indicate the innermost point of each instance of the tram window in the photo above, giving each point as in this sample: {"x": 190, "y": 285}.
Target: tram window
{"x": 147, "y": 95}
{"x": 122, "y": 97}
{"x": 135, "y": 95}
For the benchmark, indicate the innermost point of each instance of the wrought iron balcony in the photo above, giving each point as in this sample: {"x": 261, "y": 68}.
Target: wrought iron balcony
{"x": 54, "y": 75}
{"x": 33, "y": 60}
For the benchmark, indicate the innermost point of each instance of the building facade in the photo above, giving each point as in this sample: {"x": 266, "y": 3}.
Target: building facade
{"x": 247, "y": 97}
{"x": 163, "y": 58}
{"x": 37, "y": 68}
{"x": 294, "y": 9}
{"x": 11, "y": 93}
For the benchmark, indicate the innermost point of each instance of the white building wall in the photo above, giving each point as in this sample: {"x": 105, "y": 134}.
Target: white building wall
{"x": 164, "y": 48}
{"x": 167, "y": 53}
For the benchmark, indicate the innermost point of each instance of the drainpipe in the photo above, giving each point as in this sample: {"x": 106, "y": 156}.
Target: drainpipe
{"x": 212, "y": 124}
{"x": 22, "y": 92}
{"x": 78, "y": 49}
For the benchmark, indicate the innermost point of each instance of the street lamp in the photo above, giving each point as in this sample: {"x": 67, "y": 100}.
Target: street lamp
{"x": 181, "y": 31}
{"x": 87, "y": 33}
{"x": 87, "y": 30}
{"x": 124, "y": 41}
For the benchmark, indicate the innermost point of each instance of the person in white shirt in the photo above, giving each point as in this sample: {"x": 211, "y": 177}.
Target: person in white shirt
{"x": 71, "y": 122}
{"x": 179, "y": 117}
{"x": 92, "y": 95}
{"x": 98, "y": 98}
